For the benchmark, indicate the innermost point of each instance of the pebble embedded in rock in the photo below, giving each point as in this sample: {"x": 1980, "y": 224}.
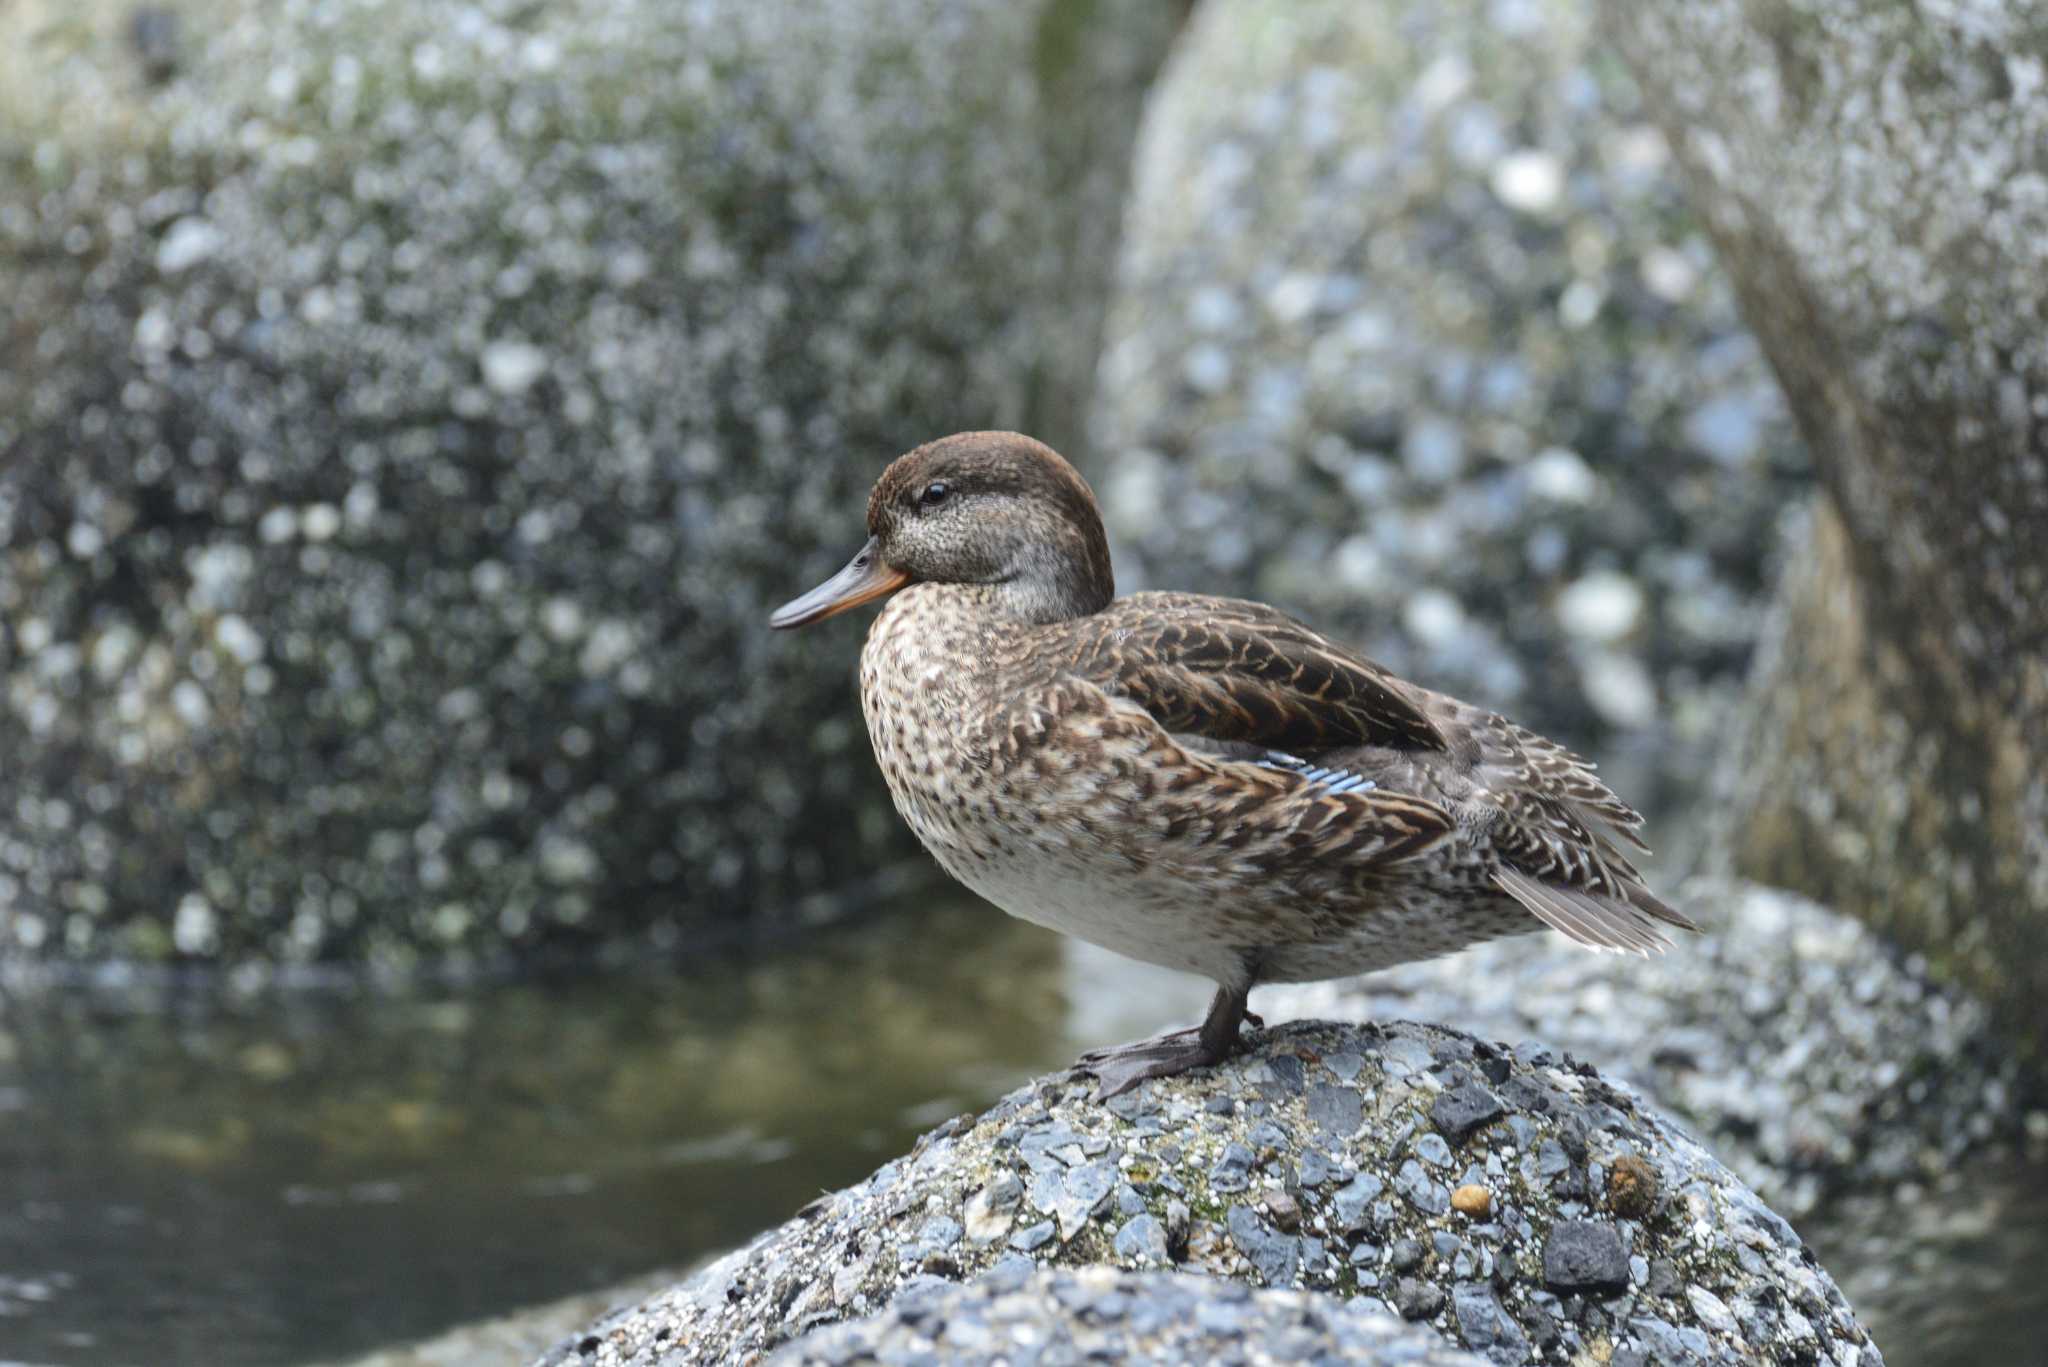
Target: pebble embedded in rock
{"x": 1352, "y": 1200}
{"x": 1631, "y": 1187}
{"x": 1463, "y": 1109}
{"x": 1083, "y": 1192}
{"x": 1426, "y": 1195}
{"x": 1712, "y": 1310}
{"x": 1233, "y": 1170}
{"x": 1142, "y": 1240}
{"x": 1337, "y": 1110}
{"x": 1283, "y": 1210}
{"x": 1585, "y": 1257}
{"x": 939, "y": 1234}
{"x": 1487, "y": 1326}
{"x": 1417, "y": 1300}
{"x": 1273, "y": 1256}
{"x": 1472, "y": 1199}
{"x": 1037, "y": 1236}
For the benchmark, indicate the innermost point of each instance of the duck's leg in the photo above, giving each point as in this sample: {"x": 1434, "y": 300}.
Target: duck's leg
{"x": 1119, "y": 1069}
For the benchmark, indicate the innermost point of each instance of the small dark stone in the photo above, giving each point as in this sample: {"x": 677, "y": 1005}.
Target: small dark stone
{"x": 1485, "y": 1326}
{"x": 1406, "y": 1255}
{"x": 1270, "y": 1135}
{"x": 1289, "y": 1071}
{"x": 1219, "y": 1105}
{"x": 1571, "y": 1132}
{"x": 1315, "y": 1169}
{"x": 1143, "y": 1240}
{"x": 1417, "y": 1300}
{"x": 1349, "y": 1205}
{"x": 1432, "y": 1149}
{"x": 1233, "y": 1170}
{"x": 1527, "y": 1094}
{"x": 1275, "y": 1256}
{"x": 1025, "y": 1240}
{"x": 1283, "y": 1210}
{"x": 1337, "y": 1111}
{"x": 1585, "y": 1257}
{"x": 939, "y": 1233}
{"x": 1130, "y": 1105}
{"x": 1009, "y": 1272}
{"x": 1429, "y": 1197}
{"x": 1463, "y": 1109}
{"x": 1669, "y": 1343}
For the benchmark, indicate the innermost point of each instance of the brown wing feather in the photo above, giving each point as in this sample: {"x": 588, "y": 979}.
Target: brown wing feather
{"x": 1176, "y": 796}
{"x": 1231, "y": 670}
{"x": 1555, "y": 829}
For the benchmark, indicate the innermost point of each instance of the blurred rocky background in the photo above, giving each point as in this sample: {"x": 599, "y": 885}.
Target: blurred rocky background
{"x": 1416, "y": 335}
{"x": 409, "y": 413}
{"x": 1876, "y": 179}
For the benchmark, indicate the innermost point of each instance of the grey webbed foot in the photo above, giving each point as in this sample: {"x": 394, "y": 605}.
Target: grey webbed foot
{"x": 1123, "y": 1067}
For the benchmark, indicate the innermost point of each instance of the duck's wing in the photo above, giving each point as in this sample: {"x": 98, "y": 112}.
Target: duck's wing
{"x": 1095, "y": 758}
{"x": 1558, "y": 830}
{"x": 1241, "y": 674}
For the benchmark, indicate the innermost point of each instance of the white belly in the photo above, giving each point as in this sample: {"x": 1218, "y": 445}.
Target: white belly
{"x": 1095, "y": 901}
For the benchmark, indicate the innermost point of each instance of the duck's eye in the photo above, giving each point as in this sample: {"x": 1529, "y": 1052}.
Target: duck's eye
{"x": 935, "y": 493}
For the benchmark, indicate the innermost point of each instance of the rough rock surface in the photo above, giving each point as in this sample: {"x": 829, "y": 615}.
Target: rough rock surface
{"x": 1016, "y": 1315}
{"x": 409, "y": 414}
{"x": 1316, "y": 1160}
{"x": 1811, "y": 1057}
{"x": 1414, "y": 335}
{"x": 1876, "y": 179}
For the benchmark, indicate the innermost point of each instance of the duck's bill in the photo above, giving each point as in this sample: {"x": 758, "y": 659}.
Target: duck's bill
{"x": 864, "y": 579}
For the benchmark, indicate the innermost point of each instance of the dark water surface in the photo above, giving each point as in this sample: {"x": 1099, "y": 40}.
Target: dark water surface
{"x": 317, "y": 1175}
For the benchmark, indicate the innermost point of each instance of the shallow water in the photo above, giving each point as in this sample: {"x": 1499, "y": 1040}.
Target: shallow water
{"x": 313, "y": 1176}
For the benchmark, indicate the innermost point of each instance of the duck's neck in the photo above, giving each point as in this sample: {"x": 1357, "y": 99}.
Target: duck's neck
{"x": 1048, "y": 587}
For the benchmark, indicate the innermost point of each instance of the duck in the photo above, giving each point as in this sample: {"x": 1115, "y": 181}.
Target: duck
{"x": 1198, "y": 782}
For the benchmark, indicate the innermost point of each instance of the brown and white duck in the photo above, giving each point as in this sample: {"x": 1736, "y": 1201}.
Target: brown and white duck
{"x": 1198, "y": 782}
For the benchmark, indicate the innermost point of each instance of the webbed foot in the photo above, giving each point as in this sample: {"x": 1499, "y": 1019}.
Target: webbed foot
{"x": 1124, "y": 1066}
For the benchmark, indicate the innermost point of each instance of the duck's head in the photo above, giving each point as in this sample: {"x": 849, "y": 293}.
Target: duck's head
{"x": 994, "y": 508}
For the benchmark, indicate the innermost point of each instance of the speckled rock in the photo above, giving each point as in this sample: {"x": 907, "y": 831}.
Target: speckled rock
{"x": 1876, "y": 178}
{"x": 1810, "y": 1058}
{"x": 1351, "y": 1233}
{"x": 409, "y": 413}
{"x": 1415, "y": 336}
{"x": 1015, "y": 1314}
